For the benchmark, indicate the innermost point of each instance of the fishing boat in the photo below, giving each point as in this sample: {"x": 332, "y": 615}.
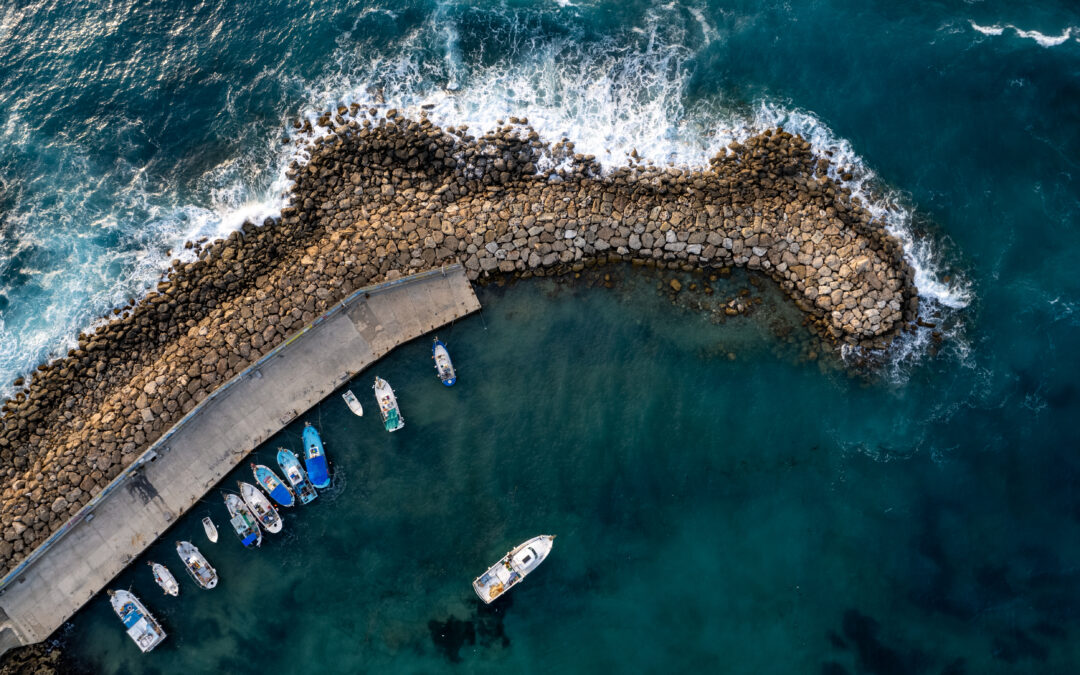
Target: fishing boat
{"x": 443, "y": 366}
{"x": 165, "y": 579}
{"x": 388, "y": 405}
{"x": 141, "y": 626}
{"x": 353, "y": 403}
{"x": 210, "y": 529}
{"x": 196, "y": 565}
{"x": 243, "y": 521}
{"x": 264, "y": 511}
{"x": 514, "y": 566}
{"x": 268, "y": 480}
{"x": 294, "y": 473}
{"x": 318, "y": 469}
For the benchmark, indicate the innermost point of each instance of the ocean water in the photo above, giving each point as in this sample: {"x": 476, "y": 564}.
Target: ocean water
{"x": 719, "y": 506}
{"x": 758, "y": 515}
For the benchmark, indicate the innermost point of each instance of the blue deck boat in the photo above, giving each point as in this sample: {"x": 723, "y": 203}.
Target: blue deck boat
{"x": 294, "y": 473}
{"x": 268, "y": 480}
{"x": 315, "y": 458}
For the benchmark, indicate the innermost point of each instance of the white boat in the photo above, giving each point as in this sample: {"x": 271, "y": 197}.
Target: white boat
{"x": 443, "y": 366}
{"x": 165, "y": 579}
{"x": 264, "y": 511}
{"x": 210, "y": 529}
{"x": 141, "y": 626}
{"x": 514, "y": 566}
{"x": 388, "y": 405}
{"x": 243, "y": 521}
{"x": 197, "y": 566}
{"x": 353, "y": 403}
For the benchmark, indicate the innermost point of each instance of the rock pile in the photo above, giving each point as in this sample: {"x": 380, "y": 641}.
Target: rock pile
{"x": 384, "y": 196}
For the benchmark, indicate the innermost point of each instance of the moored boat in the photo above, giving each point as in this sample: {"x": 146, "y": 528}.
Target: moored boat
{"x": 514, "y": 566}
{"x": 388, "y": 405}
{"x": 165, "y": 579}
{"x": 443, "y": 366}
{"x": 243, "y": 521}
{"x": 197, "y": 565}
{"x": 318, "y": 469}
{"x": 210, "y": 529}
{"x": 294, "y": 473}
{"x": 264, "y": 511}
{"x": 268, "y": 480}
{"x": 141, "y": 626}
{"x": 353, "y": 403}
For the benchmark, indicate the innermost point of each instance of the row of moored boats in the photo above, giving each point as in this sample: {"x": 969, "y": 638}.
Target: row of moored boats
{"x": 253, "y": 511}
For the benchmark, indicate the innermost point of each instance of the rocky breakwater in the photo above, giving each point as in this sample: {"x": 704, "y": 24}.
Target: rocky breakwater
{"x": 383, "y": 196}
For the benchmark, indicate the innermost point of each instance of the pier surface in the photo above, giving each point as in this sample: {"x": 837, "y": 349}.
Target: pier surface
{"x": 77, "y": 562}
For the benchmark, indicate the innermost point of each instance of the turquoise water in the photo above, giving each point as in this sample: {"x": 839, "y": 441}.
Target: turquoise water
{"x": 744, "y": 515}
{"x": 755, "y": 515}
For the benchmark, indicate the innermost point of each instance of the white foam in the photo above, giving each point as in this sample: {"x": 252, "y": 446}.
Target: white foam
{"x": 1042, "y": 39}
{"x": 610, "y": 97}
{"x": 988, "y": 30}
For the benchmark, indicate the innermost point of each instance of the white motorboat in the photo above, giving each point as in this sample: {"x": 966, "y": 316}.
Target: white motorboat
{"x": 197, "y": 565}
{"x": 353, "y": 403}
{"x": 388, "y": 405}
{"x": 514, "y": 566}
{"x": 165, "y": 579}
{"x": 141, "y": 626}
{"x": 210, "y": 529}
{"x": 264, "y": 511}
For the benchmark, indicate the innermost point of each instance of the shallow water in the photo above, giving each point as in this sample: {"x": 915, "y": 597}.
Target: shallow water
{"x": 749, "y": 514}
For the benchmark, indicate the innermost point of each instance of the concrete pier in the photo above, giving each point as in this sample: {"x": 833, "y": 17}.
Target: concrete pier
{"x": 77, "y": 562}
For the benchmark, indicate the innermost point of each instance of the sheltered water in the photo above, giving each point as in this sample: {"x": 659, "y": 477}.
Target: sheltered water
{"x": 749, "y": 514}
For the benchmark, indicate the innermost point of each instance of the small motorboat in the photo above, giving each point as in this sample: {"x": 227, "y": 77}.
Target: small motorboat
{"x": 294, "y": 473}
{"x": 514, "y": 566}
{"x": 318, "y": 469}
{"x": 353, "y": 403}
{"x": 165, "y": 579}
{"x": 264, "y": 511}
{"x": 388, "y": 405}
{"x": 243, "y": 521}
{"x": 268, "y": 480}
{"x": 141, "y": 626}
{"x": 197, "y": 565}
{"x": 210, "y": 529}
{"x": 443, "y": 366}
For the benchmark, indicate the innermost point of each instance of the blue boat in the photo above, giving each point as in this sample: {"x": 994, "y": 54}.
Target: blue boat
{"x": 294, "y": 473}
{"x": 443, "y": 366}
{"x": 268, "y": 480}
{"x": 315, "y": 458}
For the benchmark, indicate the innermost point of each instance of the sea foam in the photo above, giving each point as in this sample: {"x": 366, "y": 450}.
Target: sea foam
{"x": 614, "y": 96}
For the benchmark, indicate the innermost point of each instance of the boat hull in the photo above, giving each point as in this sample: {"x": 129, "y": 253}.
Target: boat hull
{"x": 210, "y": 529}
{"x": 444, "y": 367}
{"x": 512, "y": 569}
{"x": 269, "y": 481}
{"x": 294, "y": 473}
{"x": 164, "y": 578}
{"x": 261, "y": 508}
{"x": 140, "y": 624}
{"x": 353, "y": 403}
{"x": 388, "y": 405}
{"x": 197, "y": 565}
{"x": 318, "y": 469}
{"x": 243, "y": 521}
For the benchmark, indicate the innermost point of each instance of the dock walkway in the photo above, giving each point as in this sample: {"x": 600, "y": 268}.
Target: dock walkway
{"x": 77, "y": 562}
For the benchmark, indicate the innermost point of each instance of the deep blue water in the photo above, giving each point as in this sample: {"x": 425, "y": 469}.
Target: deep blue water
{"x": 951, "y": 506}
